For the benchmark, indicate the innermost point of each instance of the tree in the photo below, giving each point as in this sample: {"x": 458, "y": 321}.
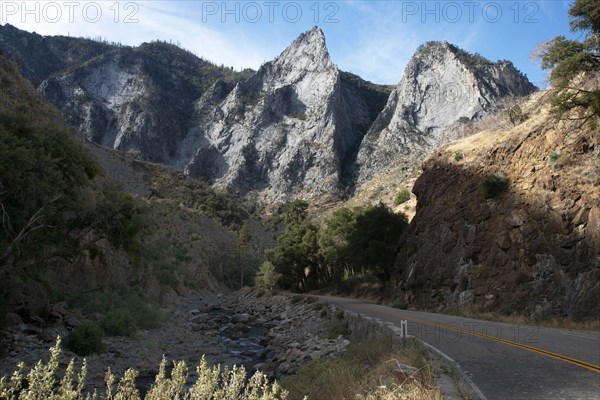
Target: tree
{"x": 585, "y": 17}
{"x": 567, "y": 59}
{"x": 244, "y": 238}
{"x": 45, "y": 206}
{"x": 41, "y": 173}
{"x": 351, "y": 242}
{"x": 333, "y": 244}
{"x": 295, "y": 211}
{"x": 360, "y": 240}
{"x": 267, "y": 277}
{"x": 295, "y": 255}
{"x": 374, "y": 240}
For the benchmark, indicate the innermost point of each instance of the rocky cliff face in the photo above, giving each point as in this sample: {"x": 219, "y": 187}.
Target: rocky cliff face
{"x": 290, "y": 129}
{"x": 533, "y": 249}
{"x": 134, "y": 99}
{"x": 442, "y": 86}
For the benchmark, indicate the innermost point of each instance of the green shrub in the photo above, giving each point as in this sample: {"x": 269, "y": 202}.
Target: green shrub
{"x": 85, "y": 339}
{"x": 297, "y": 299}
{"x": 118, "y": 323}
{"x": 402, "y": 197}
{"x": 458, "y": 156}
{"x": 337, "y": 328}
{"x": 494, "y": 184}
{"x": 516, "y": 115}
{"x": 376, "y": 193}
{"x": 147, "y": 316}
{"x": 553, "y": 159}
{"x": 400, "y": 304}
{"x": 363, "y": 372}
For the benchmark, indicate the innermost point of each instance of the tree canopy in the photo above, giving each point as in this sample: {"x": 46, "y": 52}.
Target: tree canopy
{"x": 352, "y": 242}
{"x": 568, "y": 58}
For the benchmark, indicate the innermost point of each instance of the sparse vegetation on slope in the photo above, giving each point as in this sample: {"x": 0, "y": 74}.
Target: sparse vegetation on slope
{"x": 70, "y": 235}
{"x": 402, "y": 197}
{"x": 173, "y": 187}
{"x": 494, "y": 184}
{"x": 39, "y": 57}
{"x": 496, "y": 255}
{"x": 369, "y": 370}
{"x": 375, "y": 95}
{"x": 45, "y": 188}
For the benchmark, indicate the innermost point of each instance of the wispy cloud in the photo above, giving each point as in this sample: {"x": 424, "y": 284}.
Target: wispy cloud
{"x": 387, "y": 38}
{"x": 164, "y": 20}
{"x": 373, "y": 38}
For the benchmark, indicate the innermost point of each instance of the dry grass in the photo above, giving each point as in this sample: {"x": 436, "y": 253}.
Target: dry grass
{"x": 384, "y": 188}
{"x": 495, "y": 129}
{"x": 367, "y": 371}
{"x": 544, "y": 322}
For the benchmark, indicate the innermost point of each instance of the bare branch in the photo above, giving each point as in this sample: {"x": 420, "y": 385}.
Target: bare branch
{"x": 29, "y": 227}
{"x": 6, "y": 220}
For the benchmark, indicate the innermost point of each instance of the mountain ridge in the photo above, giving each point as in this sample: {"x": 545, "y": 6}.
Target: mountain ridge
{"x": 442, "y": 86}
{"x": 297, "y": 127}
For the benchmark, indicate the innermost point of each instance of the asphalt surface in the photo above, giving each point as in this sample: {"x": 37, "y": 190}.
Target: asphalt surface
{"x": 503, "y": 361}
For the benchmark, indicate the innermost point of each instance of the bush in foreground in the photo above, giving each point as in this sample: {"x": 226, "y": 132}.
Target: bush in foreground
{"x": 212, "y": 383}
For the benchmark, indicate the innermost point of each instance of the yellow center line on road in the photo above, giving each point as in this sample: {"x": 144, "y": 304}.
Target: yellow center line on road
{"x": 567, "y": 359}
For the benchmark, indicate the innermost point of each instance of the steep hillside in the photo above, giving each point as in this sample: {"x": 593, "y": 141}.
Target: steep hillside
{"x": 70, "y": 232}
{"x": 442, "y": 86}
{"x": 137, "y": 99}
{"x": 532, "y": 247}
{"x": 57, "y": 210}
{"x": 39, "y": 57}
{"x": 289, "y": 130}
{"x": 17, "y": 95}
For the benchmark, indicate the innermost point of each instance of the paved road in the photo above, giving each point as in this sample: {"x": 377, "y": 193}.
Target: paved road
{"x": 504, "y": 361}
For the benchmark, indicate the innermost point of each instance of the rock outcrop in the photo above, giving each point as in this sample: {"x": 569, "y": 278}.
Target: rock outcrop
{"x": 532, "y": 249}
{"x": 290, "y": 129}
{"x": 442, "y": 86}
{"x": 133, "y": 99}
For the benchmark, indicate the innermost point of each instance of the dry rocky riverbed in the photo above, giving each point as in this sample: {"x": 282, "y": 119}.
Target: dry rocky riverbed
{"x": 272, "y": 333}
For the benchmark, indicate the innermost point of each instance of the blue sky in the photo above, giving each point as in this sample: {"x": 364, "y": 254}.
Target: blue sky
{"x": 371, "y": 38}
